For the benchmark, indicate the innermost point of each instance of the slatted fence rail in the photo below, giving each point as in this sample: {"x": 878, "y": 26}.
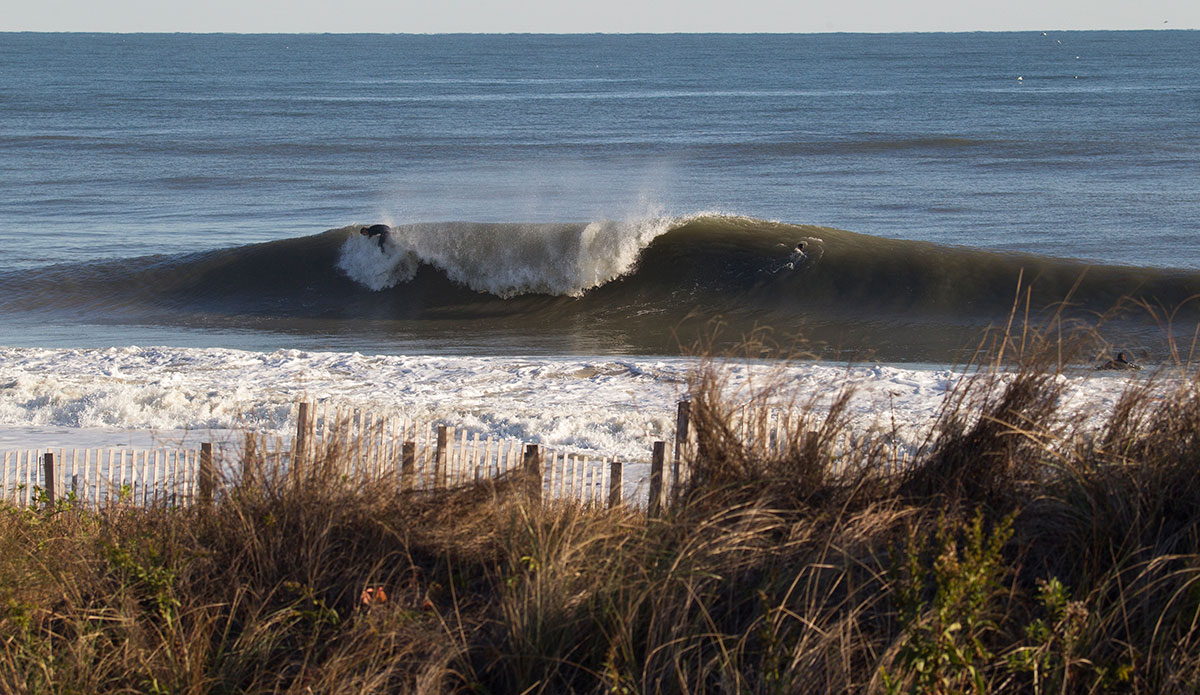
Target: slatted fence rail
{"x": 429, "y": 456}
{"x": 369, "y": 446}
{"x": 95, "y": 477}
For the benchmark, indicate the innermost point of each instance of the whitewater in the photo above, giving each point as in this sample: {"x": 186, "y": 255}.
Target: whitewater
{"x": 163, "y": 396}
{"x": 505, "y": 260}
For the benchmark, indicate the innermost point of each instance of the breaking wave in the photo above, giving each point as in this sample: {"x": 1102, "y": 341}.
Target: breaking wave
{"x": 635, "y": 286}
{"x": 504, "y": 259}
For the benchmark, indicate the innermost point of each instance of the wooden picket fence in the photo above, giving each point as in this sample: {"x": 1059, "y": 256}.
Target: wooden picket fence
{"x": 96, "y": 477}
{"x": 428, "y": 456}
{"x": 366, "y": 445}
{"x": 369, "y": 446}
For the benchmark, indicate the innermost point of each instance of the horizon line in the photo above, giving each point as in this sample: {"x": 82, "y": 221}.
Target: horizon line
{"x": 579, "y": 33}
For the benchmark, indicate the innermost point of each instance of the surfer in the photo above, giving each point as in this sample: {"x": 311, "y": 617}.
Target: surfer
{"x": 795, "y": 259}
{"x": 376, "y": 230}
{"x": 798, "y": 256}
{"x": 1118, "y": 363}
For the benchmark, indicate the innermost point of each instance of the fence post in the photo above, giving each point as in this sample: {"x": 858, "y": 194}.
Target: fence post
{"x": 614, "y": 483}
{"x": 300, "y": 450}
{"x": 682, "y": 419}
{"x": 654, "y": 505}
{"x": 408, "y": 465}
{"x": 250, "y": 459}
{"x": 208, "y": 474}
{"x": 48, "y": 476}
{"x": 439, "y": 457}
{"x": 533, "y": 472}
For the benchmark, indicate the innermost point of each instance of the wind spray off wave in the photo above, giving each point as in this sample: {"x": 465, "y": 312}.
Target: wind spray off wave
{"x": 505, "y": 260}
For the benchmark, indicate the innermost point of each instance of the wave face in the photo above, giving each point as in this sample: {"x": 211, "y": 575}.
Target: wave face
{"x": 652, "y": 286}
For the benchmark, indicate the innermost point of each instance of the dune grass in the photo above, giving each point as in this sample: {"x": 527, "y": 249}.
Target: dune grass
{"x": 1019, "y": 550}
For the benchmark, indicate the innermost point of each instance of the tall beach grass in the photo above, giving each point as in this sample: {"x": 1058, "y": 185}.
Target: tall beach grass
{"x": 1021, "y": 548}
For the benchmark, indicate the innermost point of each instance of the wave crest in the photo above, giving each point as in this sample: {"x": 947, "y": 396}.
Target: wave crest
{"x": 505, "y": 260}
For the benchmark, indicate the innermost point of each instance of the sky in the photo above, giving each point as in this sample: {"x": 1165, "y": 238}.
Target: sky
{"x": 606, "y": 16}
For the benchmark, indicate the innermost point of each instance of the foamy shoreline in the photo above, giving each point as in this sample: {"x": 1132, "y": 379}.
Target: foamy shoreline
{"x": 163, "y": 396}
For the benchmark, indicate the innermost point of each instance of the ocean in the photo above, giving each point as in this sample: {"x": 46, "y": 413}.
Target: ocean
{"x": 589, "y": 205}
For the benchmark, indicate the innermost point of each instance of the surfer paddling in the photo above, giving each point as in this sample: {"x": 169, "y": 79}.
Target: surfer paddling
{"x": 376, "y": 230}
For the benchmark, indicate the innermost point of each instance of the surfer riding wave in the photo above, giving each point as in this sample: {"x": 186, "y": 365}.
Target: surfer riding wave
{"x": 801, "y": 255}
{"x": 798, "y": 256}
{"x": 377, "y": 230}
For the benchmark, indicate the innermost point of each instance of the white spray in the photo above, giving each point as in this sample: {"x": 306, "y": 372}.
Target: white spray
{"x": 505, "y": 259}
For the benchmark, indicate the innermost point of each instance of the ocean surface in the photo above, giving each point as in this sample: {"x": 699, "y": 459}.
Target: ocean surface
{"x": 578, "y": 202}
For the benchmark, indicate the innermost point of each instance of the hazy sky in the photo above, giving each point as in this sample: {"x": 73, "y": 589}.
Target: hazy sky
{"x": 568, "y": 16}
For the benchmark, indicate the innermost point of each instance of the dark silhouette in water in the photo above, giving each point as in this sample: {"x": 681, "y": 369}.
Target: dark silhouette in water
{"x": 796, "y": 258}
{"x": 1119, "y": 363}
{"x": 376, "y": 230}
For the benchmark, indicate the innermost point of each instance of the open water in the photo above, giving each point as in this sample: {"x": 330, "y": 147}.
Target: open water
{"x": 600, "y": 194}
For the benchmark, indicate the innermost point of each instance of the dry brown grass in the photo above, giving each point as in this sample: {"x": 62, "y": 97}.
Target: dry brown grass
{"x": 1018, "y": 552}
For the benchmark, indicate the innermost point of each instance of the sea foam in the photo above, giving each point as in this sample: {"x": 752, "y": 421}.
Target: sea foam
{"x": 602, "y": 406}
{"x": 505, "y": 260}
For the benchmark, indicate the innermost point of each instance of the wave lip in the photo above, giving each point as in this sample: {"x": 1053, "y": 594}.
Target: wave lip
{"x": 505, "y": 260}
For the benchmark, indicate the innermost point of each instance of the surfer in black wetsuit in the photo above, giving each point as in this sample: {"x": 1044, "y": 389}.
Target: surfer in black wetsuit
{"x": 798, "y": 256}
{"x": 1119, "y": 363}
{"x": 379, "y": 230}
{"x": 795, "y": 258}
